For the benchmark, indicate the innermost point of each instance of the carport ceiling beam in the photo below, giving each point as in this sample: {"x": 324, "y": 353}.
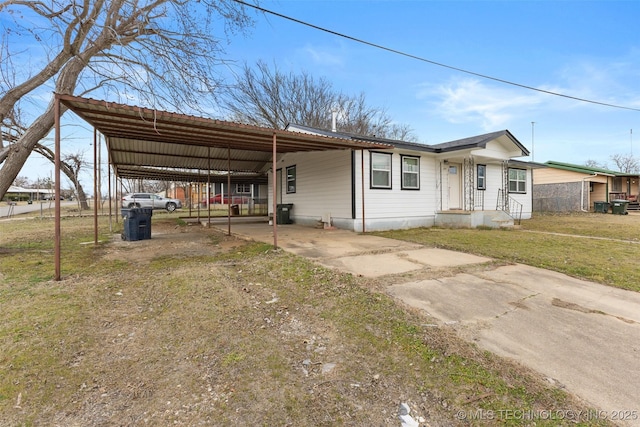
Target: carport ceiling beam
{"x": 187, "y": 156}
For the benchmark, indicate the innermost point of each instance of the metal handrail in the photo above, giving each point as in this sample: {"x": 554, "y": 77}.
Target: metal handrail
{"x": 509, "y": 205}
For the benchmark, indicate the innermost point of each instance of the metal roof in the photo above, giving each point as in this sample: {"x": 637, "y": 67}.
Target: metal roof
{"x": 394, "y": 143}
{"x": 144, "y": 143}
{"x": 479, "y": 141}
{"x": 581, "y": 168}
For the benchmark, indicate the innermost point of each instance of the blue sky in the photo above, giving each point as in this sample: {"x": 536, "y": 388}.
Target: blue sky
{"x": 583, "y": 49}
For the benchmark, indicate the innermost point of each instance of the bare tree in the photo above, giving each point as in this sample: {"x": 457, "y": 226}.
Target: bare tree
{"x": 266, "y": 96}
{"x": 595, "y": 164}
{"x": 161, "y": 52}
{"x": 626, "y": 163}
{"x": 144, "y": 186}
{"x": 22, "y": 181}
{"x": 71, "y": 165}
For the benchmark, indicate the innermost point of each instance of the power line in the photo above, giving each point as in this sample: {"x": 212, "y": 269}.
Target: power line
{"x": 439, "y": 64}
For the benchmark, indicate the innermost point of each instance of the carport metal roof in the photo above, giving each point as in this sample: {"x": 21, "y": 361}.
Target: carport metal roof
{"x": 144, "y": 143}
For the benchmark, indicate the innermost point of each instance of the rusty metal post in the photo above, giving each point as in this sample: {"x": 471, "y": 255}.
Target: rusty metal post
{"x": 208, "y": 192}
{"x": 109, "y": 189}
{"x": 95, "y": 186}
{"x": 362, "y": 180}
{"x": 57, "y": 239}
{"x": 274, "y": 188}
{"x": 228, "y": 190}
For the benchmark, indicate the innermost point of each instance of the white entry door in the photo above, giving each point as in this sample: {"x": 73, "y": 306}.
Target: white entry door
{"x": 455, "y": 186}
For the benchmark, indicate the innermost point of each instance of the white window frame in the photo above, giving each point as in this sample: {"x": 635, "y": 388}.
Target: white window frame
{"x": 243, "y": 188}
{"x": 291, "y": 179}
{"x": 481, "y": 179}
{"x": 379, "y": 171}
{"x": 518, "y": 183}
{"x": 407, "y": 172}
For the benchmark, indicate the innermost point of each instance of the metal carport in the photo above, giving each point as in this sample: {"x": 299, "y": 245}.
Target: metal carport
{"x": 144, "y": 143}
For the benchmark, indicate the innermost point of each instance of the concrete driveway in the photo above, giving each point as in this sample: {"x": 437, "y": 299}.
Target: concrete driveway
{"x": 579, "y": 335}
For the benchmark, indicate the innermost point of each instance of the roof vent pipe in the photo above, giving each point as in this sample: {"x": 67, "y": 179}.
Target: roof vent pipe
{"x": 334, "y": 120}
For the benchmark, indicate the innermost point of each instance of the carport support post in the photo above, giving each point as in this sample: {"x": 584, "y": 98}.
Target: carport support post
{"x": 95, "y": 186}
{"x": 56, "y": 240}
{"x": 208, "y": 192}
{"x": 274, "y": 187}
{"x": 362, "y": 180}
{"x": 109, "y": 189}
{"x": 229, "y": 200}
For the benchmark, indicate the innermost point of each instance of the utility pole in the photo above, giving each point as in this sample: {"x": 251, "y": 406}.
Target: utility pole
{"x": 532, "y": 142}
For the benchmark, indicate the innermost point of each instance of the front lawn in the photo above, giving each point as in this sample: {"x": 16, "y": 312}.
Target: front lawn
{"x": 598, "y": 247}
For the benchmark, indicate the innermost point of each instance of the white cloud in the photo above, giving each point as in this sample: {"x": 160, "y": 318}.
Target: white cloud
{"x": 492, "y": 105}
{"x": 472, "y": 101}
{"x": 610, "y": 81}
{"x": 323, "y": 56}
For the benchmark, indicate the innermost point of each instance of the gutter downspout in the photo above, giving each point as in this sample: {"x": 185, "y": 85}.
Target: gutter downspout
{"x": 582, "y": 192}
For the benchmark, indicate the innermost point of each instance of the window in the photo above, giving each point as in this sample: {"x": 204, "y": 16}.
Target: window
{"x": 481, "y": 177}
{"x": 243, "y": 188}
{"x": 517, "y": 180}
{"x": 410, "y": 173}
{"x": 291, "y": 179}
{"x": 380, "y": 170}
{"x": 617, "y": 184}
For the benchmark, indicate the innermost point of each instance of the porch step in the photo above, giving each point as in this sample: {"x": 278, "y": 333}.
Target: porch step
{"x": 498, "y": 219}
{"x": 473, "y": 219}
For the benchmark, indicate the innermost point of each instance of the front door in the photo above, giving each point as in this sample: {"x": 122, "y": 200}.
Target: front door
{"x": 455, "y": 186}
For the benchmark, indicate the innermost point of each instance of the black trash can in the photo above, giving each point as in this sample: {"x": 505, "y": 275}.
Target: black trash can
{"x": 601, "y": 207}
{"x": 619, "y": 207}
{"x": 235, "y": 210}
{"x": 283, "y": 213}
{"x": 137, "y": 224}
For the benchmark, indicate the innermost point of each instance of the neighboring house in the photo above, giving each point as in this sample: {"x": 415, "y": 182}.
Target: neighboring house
{"x": 15, "y": 193}
{"x": 468, "y": 183}
{"x": 565, "y": 187}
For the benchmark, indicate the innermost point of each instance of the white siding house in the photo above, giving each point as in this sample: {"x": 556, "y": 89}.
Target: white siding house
{"x": 470, "y": 182}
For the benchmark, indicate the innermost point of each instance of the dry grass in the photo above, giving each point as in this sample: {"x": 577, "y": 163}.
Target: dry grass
{"x": 622, "y": 227}
{"x": 196, "y": 328}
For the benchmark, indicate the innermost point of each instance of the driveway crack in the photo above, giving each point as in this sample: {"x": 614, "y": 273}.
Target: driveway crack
{"x": 557, "y": 302}
{"x": 519, "y": 304}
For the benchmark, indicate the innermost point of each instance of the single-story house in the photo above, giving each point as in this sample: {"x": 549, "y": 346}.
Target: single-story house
{"x": 566, "y": 187}
{"x": 470, "y": 182}
{"x": 15, "y": 193}
{"x": 355, "y": 182}
{"x": 195, "y": 194}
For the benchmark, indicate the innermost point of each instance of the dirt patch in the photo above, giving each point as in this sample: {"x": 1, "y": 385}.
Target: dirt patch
{"x": 167, "y": 239}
